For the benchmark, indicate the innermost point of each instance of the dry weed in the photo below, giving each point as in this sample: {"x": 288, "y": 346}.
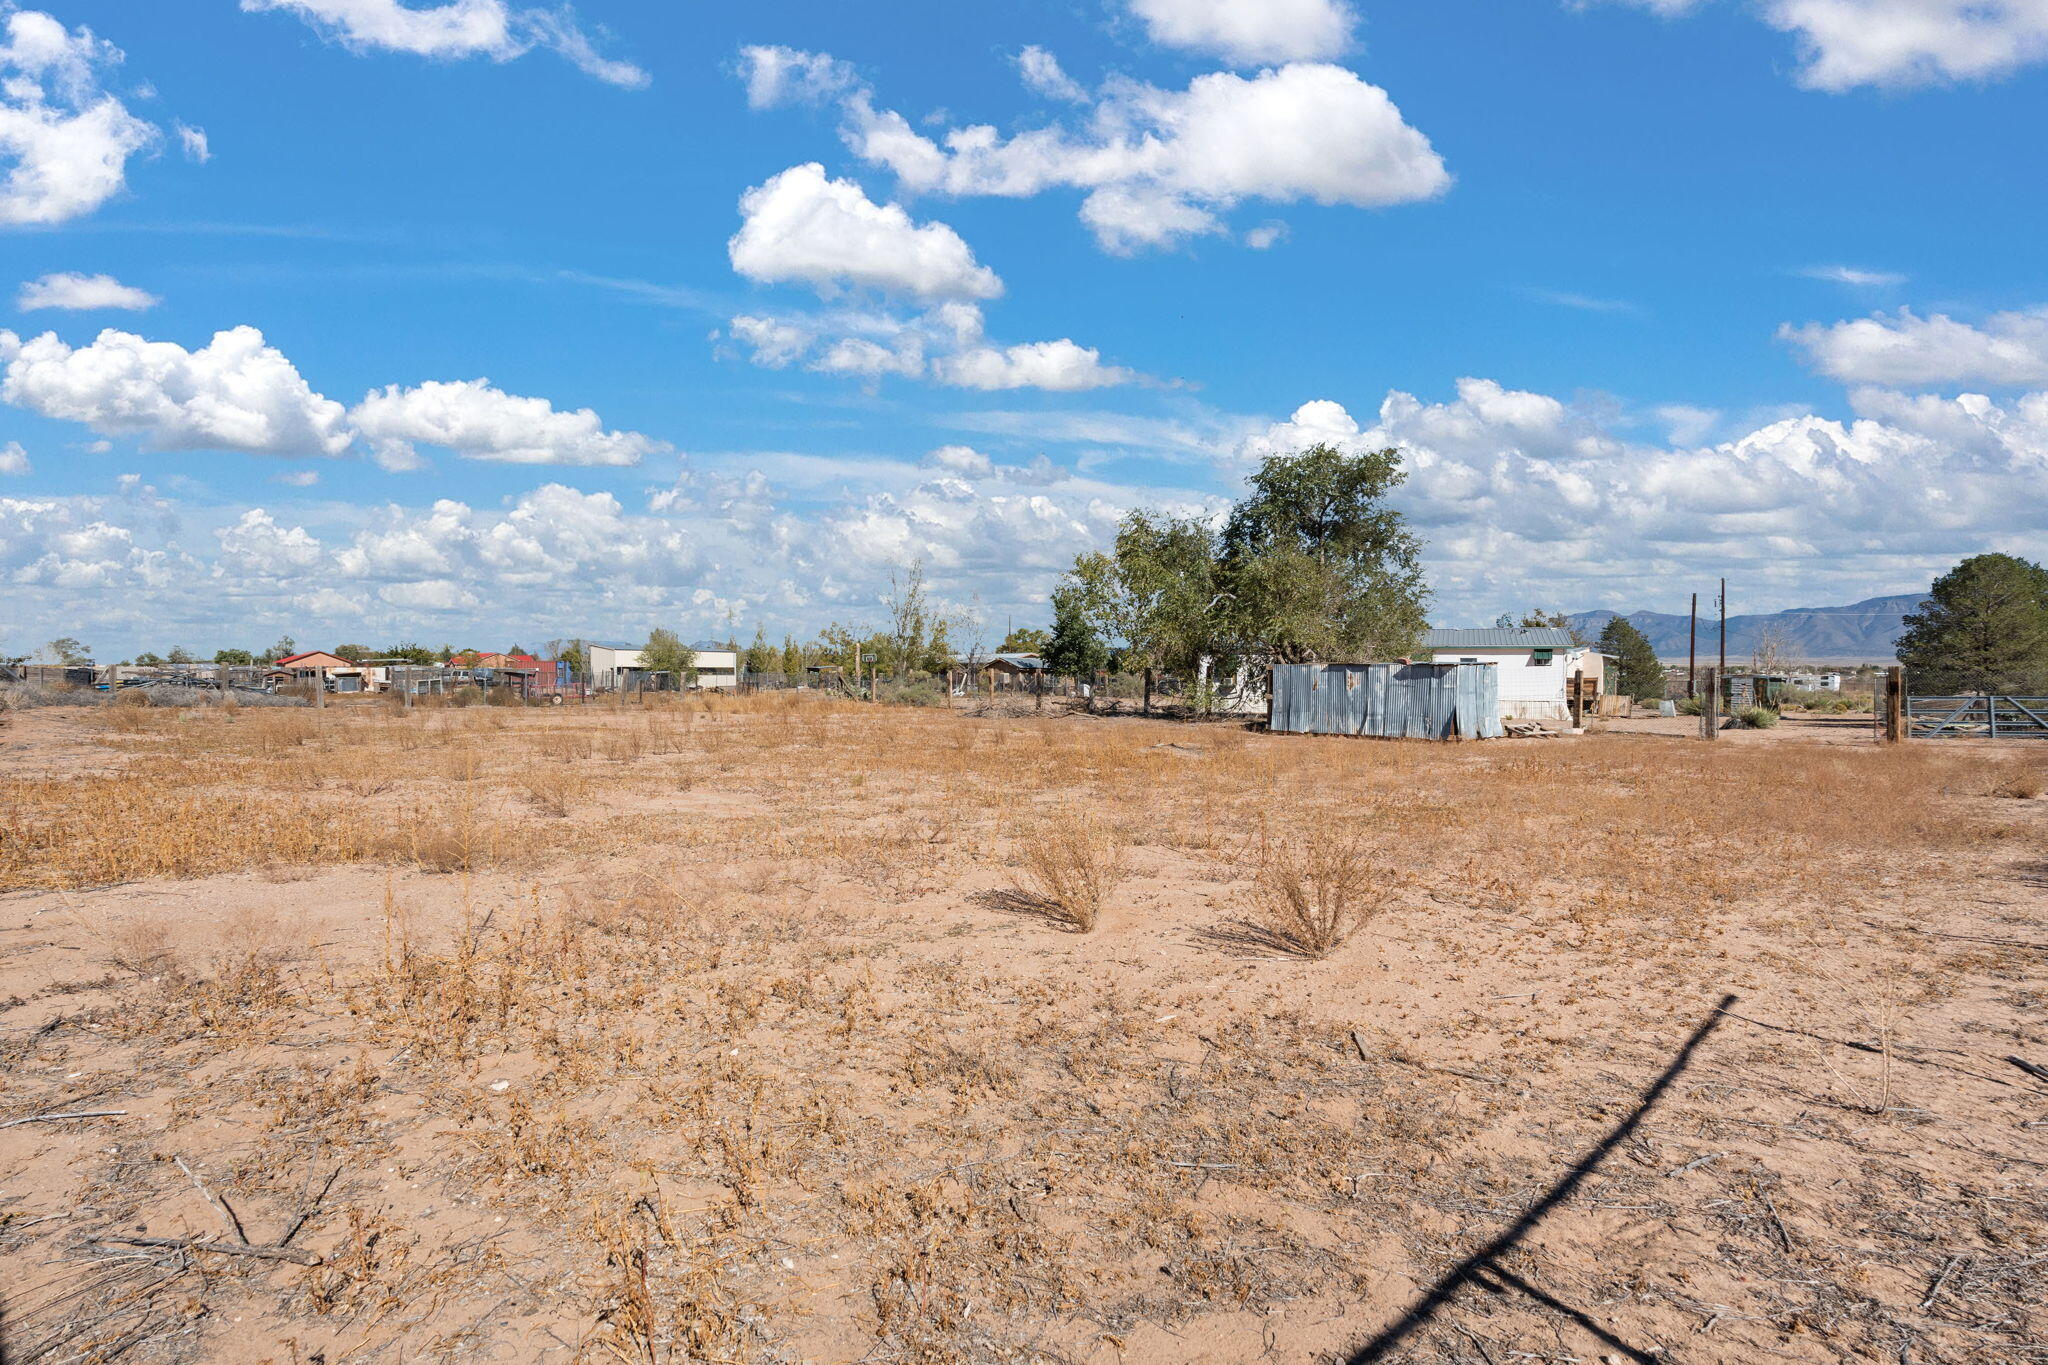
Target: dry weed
{"x": 1312, "y": 891}
{"x": 1070, "y": 868}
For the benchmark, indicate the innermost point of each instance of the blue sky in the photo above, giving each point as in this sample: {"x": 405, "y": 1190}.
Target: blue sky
{"x": 482, "y": 321}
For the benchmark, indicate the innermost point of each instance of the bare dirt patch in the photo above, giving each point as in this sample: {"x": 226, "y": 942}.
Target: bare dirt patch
{"x": 703, "y": 1033}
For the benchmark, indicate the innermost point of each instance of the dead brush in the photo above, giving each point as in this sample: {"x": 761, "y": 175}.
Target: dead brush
{"x": 1070, "y": 868}
{"x": 2023, "y": 782}
{"x": 1311, "y": 892}
{"x": 552, "y": 791}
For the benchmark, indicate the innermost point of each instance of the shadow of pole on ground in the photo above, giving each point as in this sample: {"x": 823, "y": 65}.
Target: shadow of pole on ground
{"x": 1482, "y": 1262}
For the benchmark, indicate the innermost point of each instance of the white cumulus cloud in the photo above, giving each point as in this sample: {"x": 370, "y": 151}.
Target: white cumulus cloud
{"x": 64, "y": 141}
{"x": 1520, "y": 493}
{"x": 82, "y": 293}
{"x": 801, "y": 227}
{"x": 236, "y": 393}
{"x": 776, "y": 76}
{"x": 195, "y": 142}
{"x": 13, "y": 459}
{"x": 1060, "y": 366}
{"x": 1903, "y": 348}
{"x": 775, "y": 343}
{"x": 1250, "y": 32}
{"x": 1846, "y": 44}
{"x": 1158, "y": 166}
{"x": 256, "y": 544}
{"x": 1850, "y": 43}
{"x": 457, "y": 29}
{"x": 1042, "y": 73}
{"x": 479, "y": 422}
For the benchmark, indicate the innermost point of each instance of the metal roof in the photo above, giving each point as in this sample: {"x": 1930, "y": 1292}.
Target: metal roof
{"x": 1510, "y": 637}
{"x": 712, "y": 646}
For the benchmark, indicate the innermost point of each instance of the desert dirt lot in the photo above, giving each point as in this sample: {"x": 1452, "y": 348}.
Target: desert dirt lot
{"x": 763, "y": 1030}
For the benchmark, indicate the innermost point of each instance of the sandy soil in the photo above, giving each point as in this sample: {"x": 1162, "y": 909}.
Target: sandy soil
{"x": 752, "y": 1054}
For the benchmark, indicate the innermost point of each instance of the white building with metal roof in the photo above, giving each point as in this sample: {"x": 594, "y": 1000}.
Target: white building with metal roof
{"x": 1536, "y": 665}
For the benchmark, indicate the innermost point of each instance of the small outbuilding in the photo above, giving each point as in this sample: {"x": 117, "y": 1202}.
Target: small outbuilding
{"x": 1536, "y": 664}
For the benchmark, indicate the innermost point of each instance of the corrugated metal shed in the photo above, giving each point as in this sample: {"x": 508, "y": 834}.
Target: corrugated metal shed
{"x": 1500, "y": 637}
{"x": 1388, "y": 701}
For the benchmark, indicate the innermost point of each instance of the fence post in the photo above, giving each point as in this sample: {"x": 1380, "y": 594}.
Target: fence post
{"x": 1148, "y": 692}
{"x": 1710, "y": 705}
{"x": 1991, "y": 713}
{"x": 1038, "y": 689}
{"x": 1895, "y": 704}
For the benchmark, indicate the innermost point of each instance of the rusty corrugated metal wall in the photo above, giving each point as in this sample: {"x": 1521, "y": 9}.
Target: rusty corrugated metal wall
{"x": 1388, "y": 701}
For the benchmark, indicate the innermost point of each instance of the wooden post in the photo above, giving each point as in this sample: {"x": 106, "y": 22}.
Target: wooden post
{"x": 319, "y": 690}
{"x": 1692, "y": 652}
{"x": 1148, "y": 697}
{"x": 1579, "y": 699}
{"x": 1895, "y": 704}
{"x": 1710, "y": 706}
{"x": 1724, "y": 632}
{"x": 1038, "y": 688}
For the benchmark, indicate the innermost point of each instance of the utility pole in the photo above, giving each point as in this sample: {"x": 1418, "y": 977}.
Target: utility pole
{"x": 1692, "y": 652}
{"x": 1724, "y": 628}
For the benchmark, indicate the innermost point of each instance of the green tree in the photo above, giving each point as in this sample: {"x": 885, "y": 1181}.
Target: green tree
{"x": 355, "y": 654}
{"x": 149, "y": 659}
{"x": 665, "y": 652}
{"x": 240, "y": 657}
{"x": 413, "y": 654}
{"x": 840, "y": 646}
{"x": 761, "y": 656}
{"x": 1312, "y": 564}
{"x": 67, "y": 650}
{"x": 1318, "y": 565}
{"x": 910, "y": 619}
{"x": 283, "y": 649}
{"x": 1983, "y": 628}
{"x": 1073, "y": 646}
{"x": 1156, "y": 593}
{"x": 792, "y": 657}
{"x": 1636, "y": 671}
{"x": 575, "y": 653}
{"x": 179, "y": 655}
{"x": 1025, "y": 640}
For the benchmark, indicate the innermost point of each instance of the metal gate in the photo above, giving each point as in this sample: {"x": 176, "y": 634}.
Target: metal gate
{"x": 1977, "y": 717}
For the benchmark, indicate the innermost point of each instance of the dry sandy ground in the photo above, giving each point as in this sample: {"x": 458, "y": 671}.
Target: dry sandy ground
{"x": 745, "y": 1055}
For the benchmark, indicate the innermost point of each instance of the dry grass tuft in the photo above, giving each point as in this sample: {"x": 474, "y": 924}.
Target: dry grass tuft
{"x": 1311, "y": 892}
{"x": 1070, "y": 868}
{"x": 2023, "y": 783}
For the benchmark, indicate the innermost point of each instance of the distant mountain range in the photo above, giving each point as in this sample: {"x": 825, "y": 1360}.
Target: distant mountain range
{"x": 1862, "y": 632}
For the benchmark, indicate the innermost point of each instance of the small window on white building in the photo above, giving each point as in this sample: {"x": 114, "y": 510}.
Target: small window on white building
{"x": 1539, "y": 658}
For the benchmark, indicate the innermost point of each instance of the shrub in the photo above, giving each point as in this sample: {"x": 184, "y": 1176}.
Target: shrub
{"x": 2022, "y": 784}
{"x": 1311, "y": 893}
{"x": 1756, "y": 717}
{"x": 1690, "y": 706}
{"x": 1070, "y": 868}
{"x": 921, "y": 692}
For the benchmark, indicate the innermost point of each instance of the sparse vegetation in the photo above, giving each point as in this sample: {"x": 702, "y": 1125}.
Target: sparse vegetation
{"x": 1756, "y": 717}
{"x": 1070, "y": 868}
{"x": 1312, "y": 891}
{"x": 697, "y": 1031}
